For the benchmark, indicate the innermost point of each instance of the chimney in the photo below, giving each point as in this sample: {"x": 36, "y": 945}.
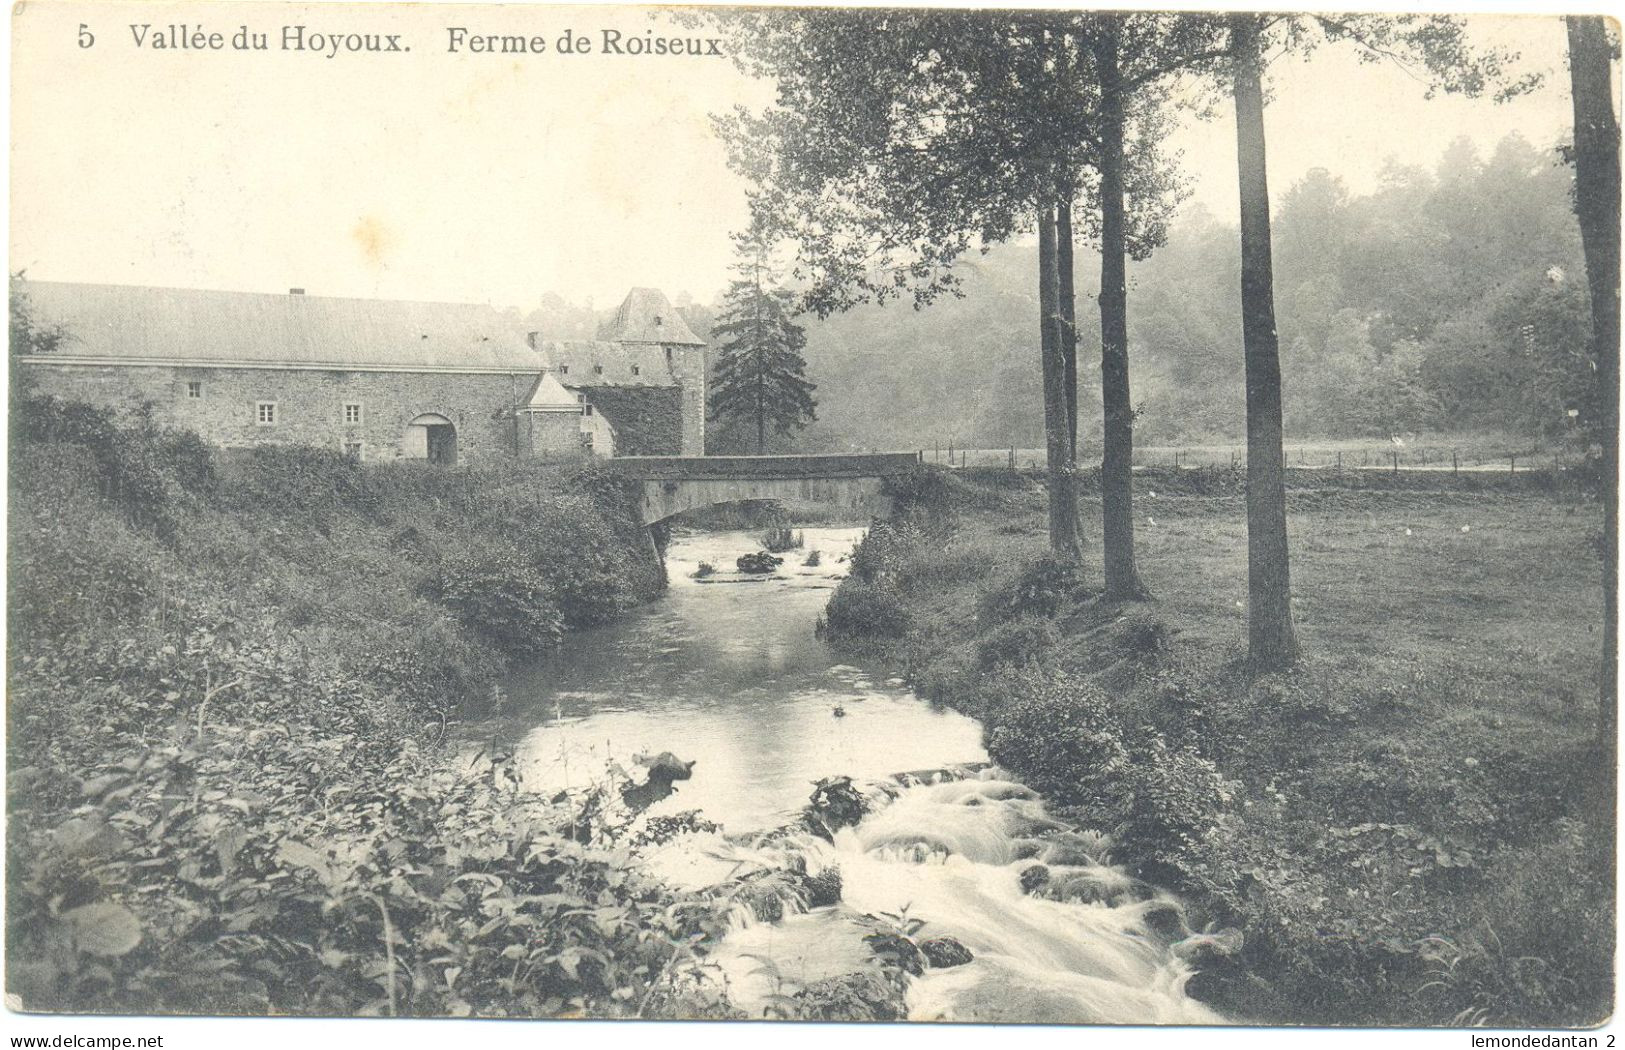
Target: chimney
{"x": 296, "y": 291}
{"x": 532, "y": 339}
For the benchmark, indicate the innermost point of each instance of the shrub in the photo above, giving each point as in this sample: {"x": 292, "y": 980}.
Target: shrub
{"x": 923, "y": 495}
{"x": 145, "y": 470}
{"x": 1062, "y": 736}
{"x": 860, "y": 609}
{"x": 781, "y": 538}
{"x": 1040, "y": 589}
{"x": 494, "y": 592}
{"x": 814, "y": 559}
{"x": 1059, "y": 735}
{"x": 884, "y": 550}
{"x": 1019, "y": 642}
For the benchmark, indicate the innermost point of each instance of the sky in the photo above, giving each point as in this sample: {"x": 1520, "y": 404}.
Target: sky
{"x": 497, "y": 178}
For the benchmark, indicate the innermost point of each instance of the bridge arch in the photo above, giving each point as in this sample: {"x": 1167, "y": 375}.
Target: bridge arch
{"x": 674, "y": 484}
{"x": 666, "y": 499}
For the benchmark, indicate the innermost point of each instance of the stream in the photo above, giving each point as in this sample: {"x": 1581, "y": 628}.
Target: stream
{"x": 726, "y": 671}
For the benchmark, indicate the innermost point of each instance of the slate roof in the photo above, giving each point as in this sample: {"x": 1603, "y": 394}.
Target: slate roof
{"x": 647, "y": 316}
{"x": 203, "y": 328}
{"x": 583, "y": 363}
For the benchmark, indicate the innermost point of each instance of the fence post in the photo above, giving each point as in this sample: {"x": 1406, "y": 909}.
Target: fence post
{"x": 1339, "y": 459}
{"x": 1396, "y": 461}
{"x": 1012, "y": 457}
{"x": 1514, "y": 469}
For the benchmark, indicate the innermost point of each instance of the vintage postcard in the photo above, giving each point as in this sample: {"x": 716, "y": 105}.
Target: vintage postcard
{"x": 1067, "y": 516}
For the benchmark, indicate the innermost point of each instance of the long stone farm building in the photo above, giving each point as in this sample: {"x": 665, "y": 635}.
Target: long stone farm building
{"x": 377, "y": 379}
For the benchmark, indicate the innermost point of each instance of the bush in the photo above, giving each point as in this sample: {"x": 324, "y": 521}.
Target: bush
{"x": 492, "y": 591}
{"x": 1040, "y": 589}
{"x": 1062, "y": 736}
{"x": 924, "y": 495}
{"x": 781, "y": 538}
{"x": 885, "y": 548}
{"x": 860, "y": 609}
{"x": 145, "y": 470}
{"x": 1022, "y": 641}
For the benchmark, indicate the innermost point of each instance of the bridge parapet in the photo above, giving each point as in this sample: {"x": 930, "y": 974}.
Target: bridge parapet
{"x": 674, "y": 484}
{"x": 765, "y": 468}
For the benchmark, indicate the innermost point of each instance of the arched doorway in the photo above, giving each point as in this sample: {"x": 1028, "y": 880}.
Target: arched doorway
{"x": 431, "y": 437}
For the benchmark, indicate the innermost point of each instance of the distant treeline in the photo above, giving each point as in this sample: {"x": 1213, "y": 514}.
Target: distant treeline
{"x": 1445, "y": 300}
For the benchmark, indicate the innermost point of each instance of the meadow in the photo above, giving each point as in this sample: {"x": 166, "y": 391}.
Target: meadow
{"x": 1409, "y": 827}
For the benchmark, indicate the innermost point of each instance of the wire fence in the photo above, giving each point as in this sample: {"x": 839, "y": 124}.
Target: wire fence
{"x": 1323, "y": 457}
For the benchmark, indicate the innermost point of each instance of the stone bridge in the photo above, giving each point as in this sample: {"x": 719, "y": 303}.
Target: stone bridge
{"x": 674, "y": 484}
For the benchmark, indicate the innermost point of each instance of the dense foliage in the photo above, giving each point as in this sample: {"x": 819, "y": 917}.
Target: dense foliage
{"x": 1445, "y": 300}
{"x": 233, "y": 784}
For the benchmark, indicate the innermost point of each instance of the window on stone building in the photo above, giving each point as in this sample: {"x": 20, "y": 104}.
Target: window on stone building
{"x": 194, "y": 388}
{"x": 586, "y": 410}
{"x": 636, "y": 370}
{"x": 564, "y": 370}
{"x": 265, "y": 413}
{"x": 598, "y": 369}
{"x": 352, "y": 449}
{"x": 352, "y": 413}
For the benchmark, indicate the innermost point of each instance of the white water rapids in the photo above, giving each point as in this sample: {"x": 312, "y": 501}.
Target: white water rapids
{"x": 1078, "y": 949}
{"x": 727, "y": 673}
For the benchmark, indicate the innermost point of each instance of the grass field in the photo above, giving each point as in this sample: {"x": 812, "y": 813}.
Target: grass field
{"x": 1406, "y": 827}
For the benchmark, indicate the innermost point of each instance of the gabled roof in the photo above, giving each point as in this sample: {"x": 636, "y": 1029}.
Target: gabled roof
{"x": 185, "y": 326}
{"x": 647, "y": 316}
{"x": 582, "y": 363}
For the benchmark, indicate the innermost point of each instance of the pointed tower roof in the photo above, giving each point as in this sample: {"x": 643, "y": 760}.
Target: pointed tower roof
{"x": 549, "y": 395}
{"x": 647, "y": 316}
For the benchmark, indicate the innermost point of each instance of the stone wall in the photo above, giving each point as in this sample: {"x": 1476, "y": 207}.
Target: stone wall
{"x": 550, "y": 435}
{"x": 310, "y": 405}
{"x": 689, "y": 367}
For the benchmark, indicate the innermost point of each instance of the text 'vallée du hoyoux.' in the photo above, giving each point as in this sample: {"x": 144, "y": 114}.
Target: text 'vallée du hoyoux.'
{"x": 459, "y": 40}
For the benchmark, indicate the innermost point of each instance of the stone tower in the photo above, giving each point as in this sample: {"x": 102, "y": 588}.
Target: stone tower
{"x": 646, "y": 316}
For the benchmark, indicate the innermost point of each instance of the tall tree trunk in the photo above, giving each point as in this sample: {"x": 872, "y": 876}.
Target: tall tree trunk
{"x": 1596, "y": 203}
{"x": 1065, "y": 538}
{"x": 1271, "y": 641}
{"x": 1069, "y": 322}
{"x": 1117, "y": 460}
{"x": 761, "y": 414}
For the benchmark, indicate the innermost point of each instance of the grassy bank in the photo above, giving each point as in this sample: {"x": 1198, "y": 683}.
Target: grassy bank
{"x": 1400, "y": 827}
{"x": 230, "y": 684}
